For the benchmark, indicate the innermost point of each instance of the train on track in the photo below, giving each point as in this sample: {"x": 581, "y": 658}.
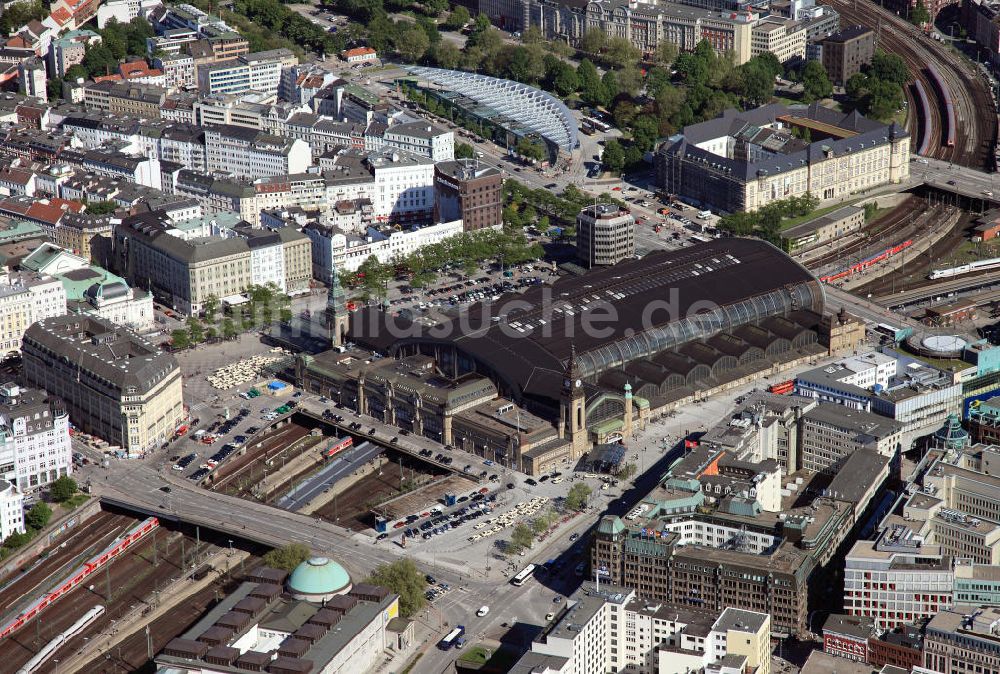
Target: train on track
{"x": 925, "y": 118}
{"x": 980, "y": 265}
{"x": 50, "y": 648}
{"x": 90, "y": 567}
{"x": 948, "y": 106}
{"x": 861, "y": 266}
{"x": 338, "y": 446}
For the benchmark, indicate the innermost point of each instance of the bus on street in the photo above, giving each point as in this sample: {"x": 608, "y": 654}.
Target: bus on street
{"x": 452, "y": 638}
{"x": 523, "y": 575}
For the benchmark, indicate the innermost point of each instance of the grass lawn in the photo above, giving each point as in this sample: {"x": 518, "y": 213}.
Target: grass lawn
{"x": 947, "y": 364}
{"x": 970, "y": 251}
{"x": 476, "y": 655}
{"x": 791, "y": 222}
{"x": 500, "y": 659}
{"x": 76, "y": 501}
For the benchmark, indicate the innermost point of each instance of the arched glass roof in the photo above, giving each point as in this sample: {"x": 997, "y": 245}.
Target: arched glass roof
{"x": 537, "y": 110}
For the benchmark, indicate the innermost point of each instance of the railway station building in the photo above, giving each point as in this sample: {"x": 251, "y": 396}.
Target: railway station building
{"x": 743, "y": 161}
{"x": 594, "y": 356}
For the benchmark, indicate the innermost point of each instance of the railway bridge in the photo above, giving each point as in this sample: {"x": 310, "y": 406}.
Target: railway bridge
{"x": 961, "y": 181}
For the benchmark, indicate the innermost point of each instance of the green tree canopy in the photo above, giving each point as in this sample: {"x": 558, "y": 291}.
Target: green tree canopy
{"x": 614, "y": 156}
{"x": 464, "y": 151}
{"x": 62, "y": 489}
{"x": 446, "y": 55}
{"x": 815, "y": 82}
{"x": 180, "y": 339}
{"x": 889, "y": 67}
{"x": 413, "y": 44}
{"x": 457, "y": 19}
{"x": 593, "y": 41}
{"x": 405, "y": 579}
{"x": 521, "y": 538}
{"x": 287, "y": 557}
{"x": 38, "y": 516}
{"x": 576, "y": 498}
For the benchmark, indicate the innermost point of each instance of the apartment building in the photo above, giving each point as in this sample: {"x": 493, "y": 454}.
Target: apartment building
{"x": 69, "y": 50}
{"x": 115, "y": 384}
{"x": 783, "y": 37}
{"x": 178, "y": 70}
{"x": 324, "y": 134}
{"x": 764, "y": 426}
{"x": 124, "y": 98}
{"x": 400, "y": 186}
{"x": 831, "y": 433}
{"x": 897, "y": 579}
{"x": 90, "y": 289}
{"x": 186, "y": 261}
{"x": 34, "y": 441}
{"x": 26, "y": 297}
{"x": 248, "y": 153}
{"x": 11, "y": 509}
{"x": 846, "y": 52}
{"x": 963, "y": 639}
{"x": 259, "y": 71}
{"x": 605, "y": 627}
{"x": 218, "y": 195}
{"x": 741, "y": 161}
{"x": 419, "y": 138}
{"x": 307, "y": 191}
{"x": 335, "y": 251}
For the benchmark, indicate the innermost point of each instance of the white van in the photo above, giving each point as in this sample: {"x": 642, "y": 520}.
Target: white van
{"x": 704, "y": 215}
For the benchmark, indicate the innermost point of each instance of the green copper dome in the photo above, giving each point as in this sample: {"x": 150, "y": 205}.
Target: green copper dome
{"x": 318, "y": 578}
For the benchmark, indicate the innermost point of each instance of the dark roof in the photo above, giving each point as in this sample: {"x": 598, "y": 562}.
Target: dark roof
{"x": 111, "y": 352}
{"x": 849, "y": 33}
{"x": 530, "y": 347}
{"x": 856, "y": 475}
{"x": 732, "y": 122}
{"x": 859, "y": 627}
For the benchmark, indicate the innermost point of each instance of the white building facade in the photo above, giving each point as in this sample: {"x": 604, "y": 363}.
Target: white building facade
{"x": 11, "y": 510}
{"x": 24, "y": 299}
{"x": 34, "y": 438}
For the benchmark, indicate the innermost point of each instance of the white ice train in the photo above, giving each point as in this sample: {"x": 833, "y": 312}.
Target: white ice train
{"x": 980, "y": 265}
{"x": 51, "y": 647}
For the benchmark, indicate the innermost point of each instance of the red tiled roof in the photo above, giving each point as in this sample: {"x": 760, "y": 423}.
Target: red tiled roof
{"x": 108, "y": 78}
{"x": 16, "y": 176}
{"x": 67, "y": 204}
{"x": 131, "y": 68}
{"x": 61, "y": 16}
{"x": 359, "y": 51}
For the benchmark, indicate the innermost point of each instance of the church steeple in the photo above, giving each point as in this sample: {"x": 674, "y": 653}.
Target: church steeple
{"x": 336, "y": 312}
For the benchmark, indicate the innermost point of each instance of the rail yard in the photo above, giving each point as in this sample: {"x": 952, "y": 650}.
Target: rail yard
{"x": 955, "y": 116}
{"x": 112, "y": 567}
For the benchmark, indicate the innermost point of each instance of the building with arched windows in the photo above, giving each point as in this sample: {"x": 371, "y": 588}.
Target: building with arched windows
{"x": 597, "y": 354}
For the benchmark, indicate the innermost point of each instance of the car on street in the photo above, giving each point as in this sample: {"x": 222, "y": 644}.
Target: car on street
{"x": 483, "y": 610}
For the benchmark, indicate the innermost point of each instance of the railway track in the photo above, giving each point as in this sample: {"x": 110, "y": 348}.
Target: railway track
{"x": 132, "y": 579}
{"x": 974, "y": 108}
{"x": 887, "y": 230}
{"x": 77, "y": 546}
